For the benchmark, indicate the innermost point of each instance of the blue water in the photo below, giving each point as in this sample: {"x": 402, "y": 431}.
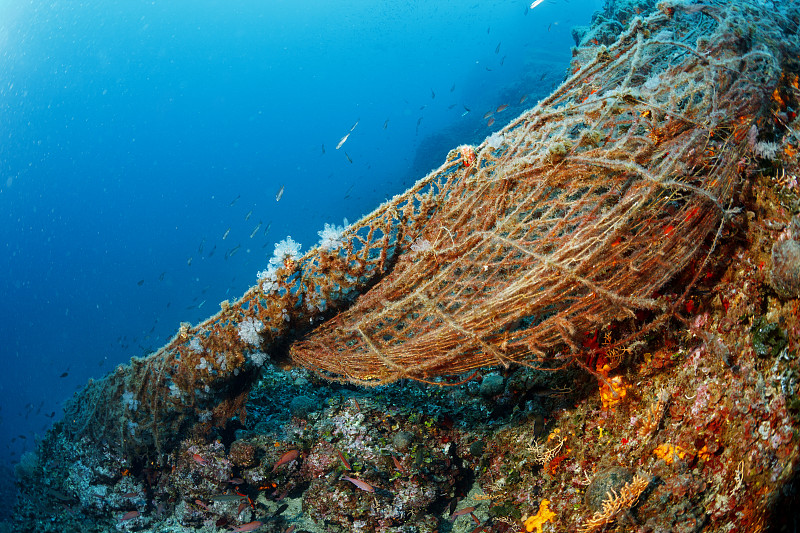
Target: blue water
{"x": 134, "y": 135}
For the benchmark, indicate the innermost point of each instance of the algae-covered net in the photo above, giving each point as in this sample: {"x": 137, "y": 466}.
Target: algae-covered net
{"x": 571, "y": 217}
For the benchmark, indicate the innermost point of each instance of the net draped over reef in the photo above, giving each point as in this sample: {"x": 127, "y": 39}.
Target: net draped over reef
{"x": 571, "y": 217}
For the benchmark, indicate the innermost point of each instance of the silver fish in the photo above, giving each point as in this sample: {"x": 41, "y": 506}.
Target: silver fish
{"x": 280, "y": 194}
{"x": 344, "y": 139}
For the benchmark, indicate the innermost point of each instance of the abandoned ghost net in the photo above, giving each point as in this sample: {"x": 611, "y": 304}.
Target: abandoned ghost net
{"x": 569, "y": 218}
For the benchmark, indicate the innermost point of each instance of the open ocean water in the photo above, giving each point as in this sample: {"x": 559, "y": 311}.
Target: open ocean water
{"x": 152, "y": 153}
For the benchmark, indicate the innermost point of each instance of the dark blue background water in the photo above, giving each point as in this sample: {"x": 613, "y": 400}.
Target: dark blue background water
{"x": 134, "y": 135}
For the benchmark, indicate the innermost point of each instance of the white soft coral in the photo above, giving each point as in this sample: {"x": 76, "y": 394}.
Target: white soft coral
{"x": 286, "y": 251}
{"x": 330, "y": 237}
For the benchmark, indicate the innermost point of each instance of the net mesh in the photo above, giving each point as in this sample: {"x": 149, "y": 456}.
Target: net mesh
{"x": 569, "y": 218}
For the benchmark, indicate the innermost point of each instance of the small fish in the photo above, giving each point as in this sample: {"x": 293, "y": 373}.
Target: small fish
{"x": 266, "y": 230}
{"x": 253, "y": 233}
{"x": 280, "y": 194}
{"x": 354, "y": 125}
{"x": 497, "y": 50}
{"x": 250, "y": 526}
{"x": 140, "y": 282}
{"x": 502, "y": 108}
{"x": 130, "y": 515}
{"x": 200, "y": 248}
{"x": 502, "y": 60}
{"x": 487, "y": 30}
{"x": 344, "y": 461}
{"x": 433, "y": 94}
{"x": 465, "y": 510}
{"x": 488, "y": 114}
{"x": 344, "y": 139}
{"x": 203, "y": 506}
{"x": 385, "y": 124}
{"x": 199, "y": 459}
{"x": 323, "y": 148}
{"x": 348, "y": 157}
{"x": 233, "y": 250}
{"x": 289, "y": 529}
{"x": 201, "y": 304}
{"x": 234, "y": 201}
{"x": 214, "y": 249}
{"x": 248, "y": 215}
{"x": 225, "y": 235}
{"x": 287, "y": 457}
{"x": 64, "y": 374}
{"x": 161, "y": 277}
{"x": 398, "y": 465}
{"x": 363, "y": 485}
{"x": 523, "y": 98}
{"x": 189, "y": 261}
{"x": 543, "y": 76}
{"x": 489, "y": 124}
{"x": 453, "y": 88}
{"x": 536, "y": 3}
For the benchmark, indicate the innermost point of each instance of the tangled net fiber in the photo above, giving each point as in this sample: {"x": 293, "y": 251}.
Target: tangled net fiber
{"x": 571, "y": 217}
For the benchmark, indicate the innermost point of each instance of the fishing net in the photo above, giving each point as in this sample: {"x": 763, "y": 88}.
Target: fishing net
{"x": 568, "y": 219}
{"x": 571, "y": 217}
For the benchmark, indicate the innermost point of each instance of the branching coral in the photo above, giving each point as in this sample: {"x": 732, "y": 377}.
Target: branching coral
{"x": 616, "y": 503}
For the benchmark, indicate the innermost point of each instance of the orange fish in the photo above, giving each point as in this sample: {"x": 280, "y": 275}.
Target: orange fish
{"x": 466, "y": 510}
{"x": 398, "y": 465}
{"x": 491, "y": 121}
{"x": 363, "y": 485}
{"x": 287, "y": 457}
{"x": 344, "y": 461}
{"x": 130, "y": 515}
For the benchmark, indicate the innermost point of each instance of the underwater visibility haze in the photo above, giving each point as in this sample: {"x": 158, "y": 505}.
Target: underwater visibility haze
{"x": 151, "y": 154}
